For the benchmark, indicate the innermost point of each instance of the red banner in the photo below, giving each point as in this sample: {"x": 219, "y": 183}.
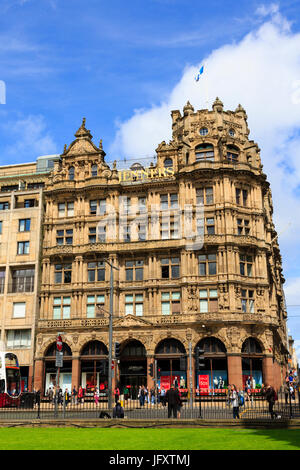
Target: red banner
{"x": 203, "y": 381}
{"x": 165, "y": 381}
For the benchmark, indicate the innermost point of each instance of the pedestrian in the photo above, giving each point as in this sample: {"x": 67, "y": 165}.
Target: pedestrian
{"x": 163, "y": 396}
{"x": 286, "y": 389}
{"x": 141, "y": 395}
{"x": 271, "y": 396}
{"x": 116, "y": 394}
{"x": 126, "y": 393}
{"x": 80, "y": 395}
{"x": 152, "y": 394}
{"x": 96, "y": 395}
{"x": 179, "y": 405}
{"x": 118, "y": 411}
{"x": 172, "y": 398}
{"x": 74, "y": 396}
{"x": 50, "y": 395}
{"x": 60, "y": 397}
{"x": 234, "y": 400}
{"x": 66, "y": 397}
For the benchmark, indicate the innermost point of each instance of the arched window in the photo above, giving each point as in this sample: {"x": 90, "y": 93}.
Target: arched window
{"x": 205, "y": 152}
{"x": 94, "y": 348}
{"x": 71, "y": 173}
{"x": 251, "y": 346}
{"x": 94, "y": 170}
{"x": 51, "y": 351}
{"x": 170, "y": 346}
{"x": 134, "y": 348}
{"x": 232, "y": 153}
{"x": 168, "y": 163}
{"x": 212, "y": 346}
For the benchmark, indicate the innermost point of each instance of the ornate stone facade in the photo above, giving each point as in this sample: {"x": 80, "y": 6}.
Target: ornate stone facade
{"x": 224, "y": 294}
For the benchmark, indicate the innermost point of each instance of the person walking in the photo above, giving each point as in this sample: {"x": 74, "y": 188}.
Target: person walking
{"x": 271, "y": 396}
{"x": 74, "y": 396}
{"x": 234, "y": 400}
{"x": 142, "y": 395}
{"x": 66, "y": 397}
{"x": 80, "y": 394}
{"x": 96, "y": 395}
{"x": 172, "y": 398}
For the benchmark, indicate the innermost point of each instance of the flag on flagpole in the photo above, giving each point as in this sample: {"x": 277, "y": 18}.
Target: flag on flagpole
{"x": 201, "y": 70}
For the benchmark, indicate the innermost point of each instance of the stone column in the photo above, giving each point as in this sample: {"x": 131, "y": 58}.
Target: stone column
{"x": 235, "y": 372}
{"x": 76, "y": 380}
{"x": 38, "y": 374}
{"x": 268, "y": 370}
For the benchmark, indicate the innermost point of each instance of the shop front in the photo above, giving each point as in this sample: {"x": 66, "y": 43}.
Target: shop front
{"x": 171, "y": 361}
{"x": 252, "y": 364}
{"x": 94, "y": 367}
{"x": 213, "y": 377}
{"x": 132, "y": 367}
{"x": 61, "y": 377}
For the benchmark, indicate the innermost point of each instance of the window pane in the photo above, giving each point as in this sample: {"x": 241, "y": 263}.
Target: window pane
{"x": 165, "y": 308}
{"x": 212, "y": 268}
{"x": 57, "y": 301}
{"x": 139, "y": 309}
{"x": 213, "y": 293}
{"x": 56, "y": 312}
{"x": 66, "y": 312}
{"x": 203, "y": 306}
{"x": 128, "y": 309}
{"x": 90, "y": 311}
{"x": 90, "y": 299}
{"x": 203, "y": 293}
{"x": 165, "y": 295}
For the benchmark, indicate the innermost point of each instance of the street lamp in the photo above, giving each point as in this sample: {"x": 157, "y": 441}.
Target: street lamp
{"x": 110, "y": 344}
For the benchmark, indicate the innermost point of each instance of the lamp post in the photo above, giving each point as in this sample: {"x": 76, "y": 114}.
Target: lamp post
{"x": 110, "y": 343}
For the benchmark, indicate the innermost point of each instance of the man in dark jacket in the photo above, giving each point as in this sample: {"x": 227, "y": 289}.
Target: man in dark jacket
{"x": 271, "y": 397}
{"x": 118, "y": 411}
{"x": 172, "y": 398}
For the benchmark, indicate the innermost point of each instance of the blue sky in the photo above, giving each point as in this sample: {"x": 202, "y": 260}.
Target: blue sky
{"x": 125, "y": 65}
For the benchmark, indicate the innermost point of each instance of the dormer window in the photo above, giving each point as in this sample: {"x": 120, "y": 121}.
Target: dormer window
{"x": 205, "y": 152}
{"x": 203, "y": 131}
{"x": 94, "y": 170}
{"x": 232, "y": 153}
{"x": 71, "y": 173}
{"x": 168, "y": 163}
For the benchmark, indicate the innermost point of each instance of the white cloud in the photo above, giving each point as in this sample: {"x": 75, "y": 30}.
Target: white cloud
{"x": 262, "y": 72}
{"x": 31, "y": 139}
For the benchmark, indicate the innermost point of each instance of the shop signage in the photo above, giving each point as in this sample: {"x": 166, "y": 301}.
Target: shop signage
{"x": 59, "y": 343}
{"x": 203, "y": 381}
{"x": 59, "y": 359}
{"x": 145, "y": 174}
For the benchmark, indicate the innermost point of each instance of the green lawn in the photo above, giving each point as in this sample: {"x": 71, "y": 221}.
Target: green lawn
{"x": 148, "y": 439}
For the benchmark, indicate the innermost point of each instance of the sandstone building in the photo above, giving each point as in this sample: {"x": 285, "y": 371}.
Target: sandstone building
{"x": 195, "y": 246}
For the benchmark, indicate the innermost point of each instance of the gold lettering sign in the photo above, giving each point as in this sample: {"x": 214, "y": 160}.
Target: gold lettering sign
{"x": 147, "y": 173}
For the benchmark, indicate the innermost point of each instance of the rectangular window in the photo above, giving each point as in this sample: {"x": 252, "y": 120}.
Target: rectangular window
{"x": 96, "y": 271}
{"x": 23, "y": 248}
{"x": 205, "y": 196}
{"x": 170, "y": 303}
{"x": 22, "y": 280}
{"x": 207, "y": 264}
{"x": 208, "y": 300}
{"x": 247, "y": 300}
{"x": 246, "y": 265}
{"x": 61, "y": 308}
{"x": 243, "y": 227}
{"x": 102, "y": 233}
{"x": 134, "y": 270}
{"x": 70, "y": 209}
{"x": 19, "y": 309}
{"x": 142, "y": 204}
{"x": 102, "y": 206}
{"x": 168, "y": 201}
{"x": 170, "y": 268}
{"x": 29, "y": 203}
{"x": 63, "y": 273}
{"x": 16, "y": 339}
{"x": 4, "y": 206}
{"x": 92, "y": 235}
{"x": 61, "y": 209}
{"x": 24, "y": 225}
{"x": 2, "y": 280}
{"x": 95, "y": 306}
{"x": 134, "y": 304}
{"x": 210, "y": 225}
{"x": 64, "y": 237}
{"x": 241, "y": 197}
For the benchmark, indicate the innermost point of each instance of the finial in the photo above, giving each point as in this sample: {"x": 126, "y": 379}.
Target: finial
{"x": 100, "y": 145}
